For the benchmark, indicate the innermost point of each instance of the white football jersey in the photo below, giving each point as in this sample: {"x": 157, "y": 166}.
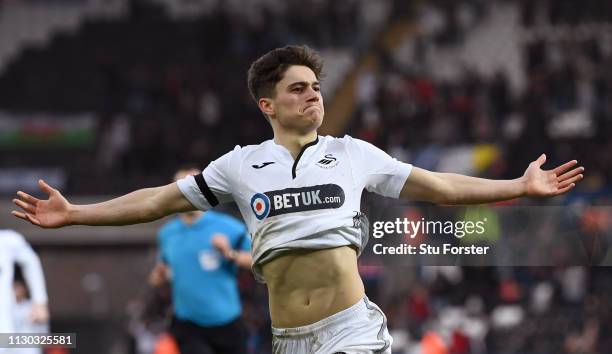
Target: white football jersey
{"x": 15, "y": 249}
{"x": 310, "y": 202}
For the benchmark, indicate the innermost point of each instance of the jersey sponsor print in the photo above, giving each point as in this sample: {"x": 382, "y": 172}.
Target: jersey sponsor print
{"x": 292, "y": 200}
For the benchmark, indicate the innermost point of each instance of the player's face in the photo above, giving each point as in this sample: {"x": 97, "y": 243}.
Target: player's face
{"x": 298, "y": 104}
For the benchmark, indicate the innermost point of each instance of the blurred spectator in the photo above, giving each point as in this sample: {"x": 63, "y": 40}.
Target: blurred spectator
{"x": 18, "y": 314}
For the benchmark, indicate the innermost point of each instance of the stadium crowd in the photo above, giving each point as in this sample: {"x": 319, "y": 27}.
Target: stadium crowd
{"x": 562, "y": 109}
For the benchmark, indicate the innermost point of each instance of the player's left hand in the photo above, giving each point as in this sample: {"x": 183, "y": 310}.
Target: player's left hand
{"x": 39, "y": 313}
{"x": 549, "y": 183}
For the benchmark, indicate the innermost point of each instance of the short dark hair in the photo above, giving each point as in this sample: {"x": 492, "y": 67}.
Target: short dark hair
{"x": 270, "y": 68}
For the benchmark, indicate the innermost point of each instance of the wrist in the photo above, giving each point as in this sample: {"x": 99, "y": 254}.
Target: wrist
{"x": 522, "y": 186}
{"x": 71, "y": 214}
{"x": 231, "y": 255}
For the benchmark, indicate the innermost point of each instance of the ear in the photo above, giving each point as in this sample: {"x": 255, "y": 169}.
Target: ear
{"x": 266, "y": 105}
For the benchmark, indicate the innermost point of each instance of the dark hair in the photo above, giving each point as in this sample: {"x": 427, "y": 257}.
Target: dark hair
{"x": 270, "y": 68}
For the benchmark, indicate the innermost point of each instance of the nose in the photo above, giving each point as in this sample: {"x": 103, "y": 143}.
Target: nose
{"x": 313, "y": 96}
{"x": 313, "y": 99}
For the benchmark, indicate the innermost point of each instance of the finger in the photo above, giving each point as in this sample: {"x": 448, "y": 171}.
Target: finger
{"x": 20, "y": 215}
{"x": 564, "y": 190}
{"x": 33, "y": 220}
{"x": 562, "y": 168}
{"x": 569, "y": 181}
{"x": 541, "y": 160}
{"x": 45, "y": 187}
{"x": 570, "y": 174}
{"x": 27, "y": 198}
{"x": 25, "y": 206}
{"x": 26, "y": 217}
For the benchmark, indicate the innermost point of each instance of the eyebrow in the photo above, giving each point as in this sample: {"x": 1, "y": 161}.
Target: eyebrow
{"x": 303, "y": 83}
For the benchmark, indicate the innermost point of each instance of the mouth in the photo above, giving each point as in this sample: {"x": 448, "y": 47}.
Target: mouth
{"x": 309, "y": 107}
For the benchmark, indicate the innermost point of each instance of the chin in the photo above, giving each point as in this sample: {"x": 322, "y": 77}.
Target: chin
{"x": 315, "y": 120}
{"x": 315, "y": 115}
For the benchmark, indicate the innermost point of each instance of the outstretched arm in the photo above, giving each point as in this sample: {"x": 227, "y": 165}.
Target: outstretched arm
{"x": 452, "y": 189}
{"x": 143, "y": 205}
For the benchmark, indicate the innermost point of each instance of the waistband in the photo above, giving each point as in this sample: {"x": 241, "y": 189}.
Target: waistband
{"x": 339, "y": 317}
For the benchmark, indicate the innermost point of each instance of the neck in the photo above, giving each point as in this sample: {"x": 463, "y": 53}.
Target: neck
{"x": 295, "y": 142}
{"x": 190, "y": 217}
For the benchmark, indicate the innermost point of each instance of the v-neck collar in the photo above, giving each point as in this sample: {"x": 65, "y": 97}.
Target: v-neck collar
{"x": 297, "y": 159}
{"x": 287, "y": 155}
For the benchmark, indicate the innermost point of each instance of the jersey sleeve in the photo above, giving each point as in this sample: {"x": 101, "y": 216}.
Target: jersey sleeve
{"x": 379, "y": 173}
{"x": 32, "y": 269}
{"x": 214, "y": 185}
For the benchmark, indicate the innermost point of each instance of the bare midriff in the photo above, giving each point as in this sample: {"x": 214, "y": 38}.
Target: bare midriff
{"x": 306, "y": 286}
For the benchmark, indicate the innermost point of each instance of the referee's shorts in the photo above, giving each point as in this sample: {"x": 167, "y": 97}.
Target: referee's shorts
{"x": 194, "y": 339}
{"x": 362, "y": 328}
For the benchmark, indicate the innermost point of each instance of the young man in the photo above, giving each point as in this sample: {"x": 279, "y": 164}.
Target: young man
{"x": 299, "y": 195}
{"x": 15, "y": 249}
{"x": 204, "y": 249}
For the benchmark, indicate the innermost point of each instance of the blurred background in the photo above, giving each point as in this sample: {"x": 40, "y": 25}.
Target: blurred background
{"x": 101, "y": 97}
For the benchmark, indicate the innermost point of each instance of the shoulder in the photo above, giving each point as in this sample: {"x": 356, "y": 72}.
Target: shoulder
{"x": 345, "y": 140}
{"x": 252, "y": 148}
{"x": 349, "y": 143}
{"x": 242, "y": 152}
{"x": 10, "y": 233}
{"x": 11, "y": 236}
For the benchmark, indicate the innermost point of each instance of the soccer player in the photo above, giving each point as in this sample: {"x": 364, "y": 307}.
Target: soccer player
{"x": 15, "y": 249}
{"x": 200, "y": 253}
{"x": 299, "y": 194}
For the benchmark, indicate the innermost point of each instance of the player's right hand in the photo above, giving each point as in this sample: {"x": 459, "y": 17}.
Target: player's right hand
{"x": 50, "y": 213}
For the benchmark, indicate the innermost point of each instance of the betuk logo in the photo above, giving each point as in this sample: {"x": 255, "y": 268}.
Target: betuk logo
{"x": 292, "y": 200}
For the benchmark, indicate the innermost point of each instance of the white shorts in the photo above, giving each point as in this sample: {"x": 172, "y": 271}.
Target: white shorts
{"x": 360, "y": 329}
